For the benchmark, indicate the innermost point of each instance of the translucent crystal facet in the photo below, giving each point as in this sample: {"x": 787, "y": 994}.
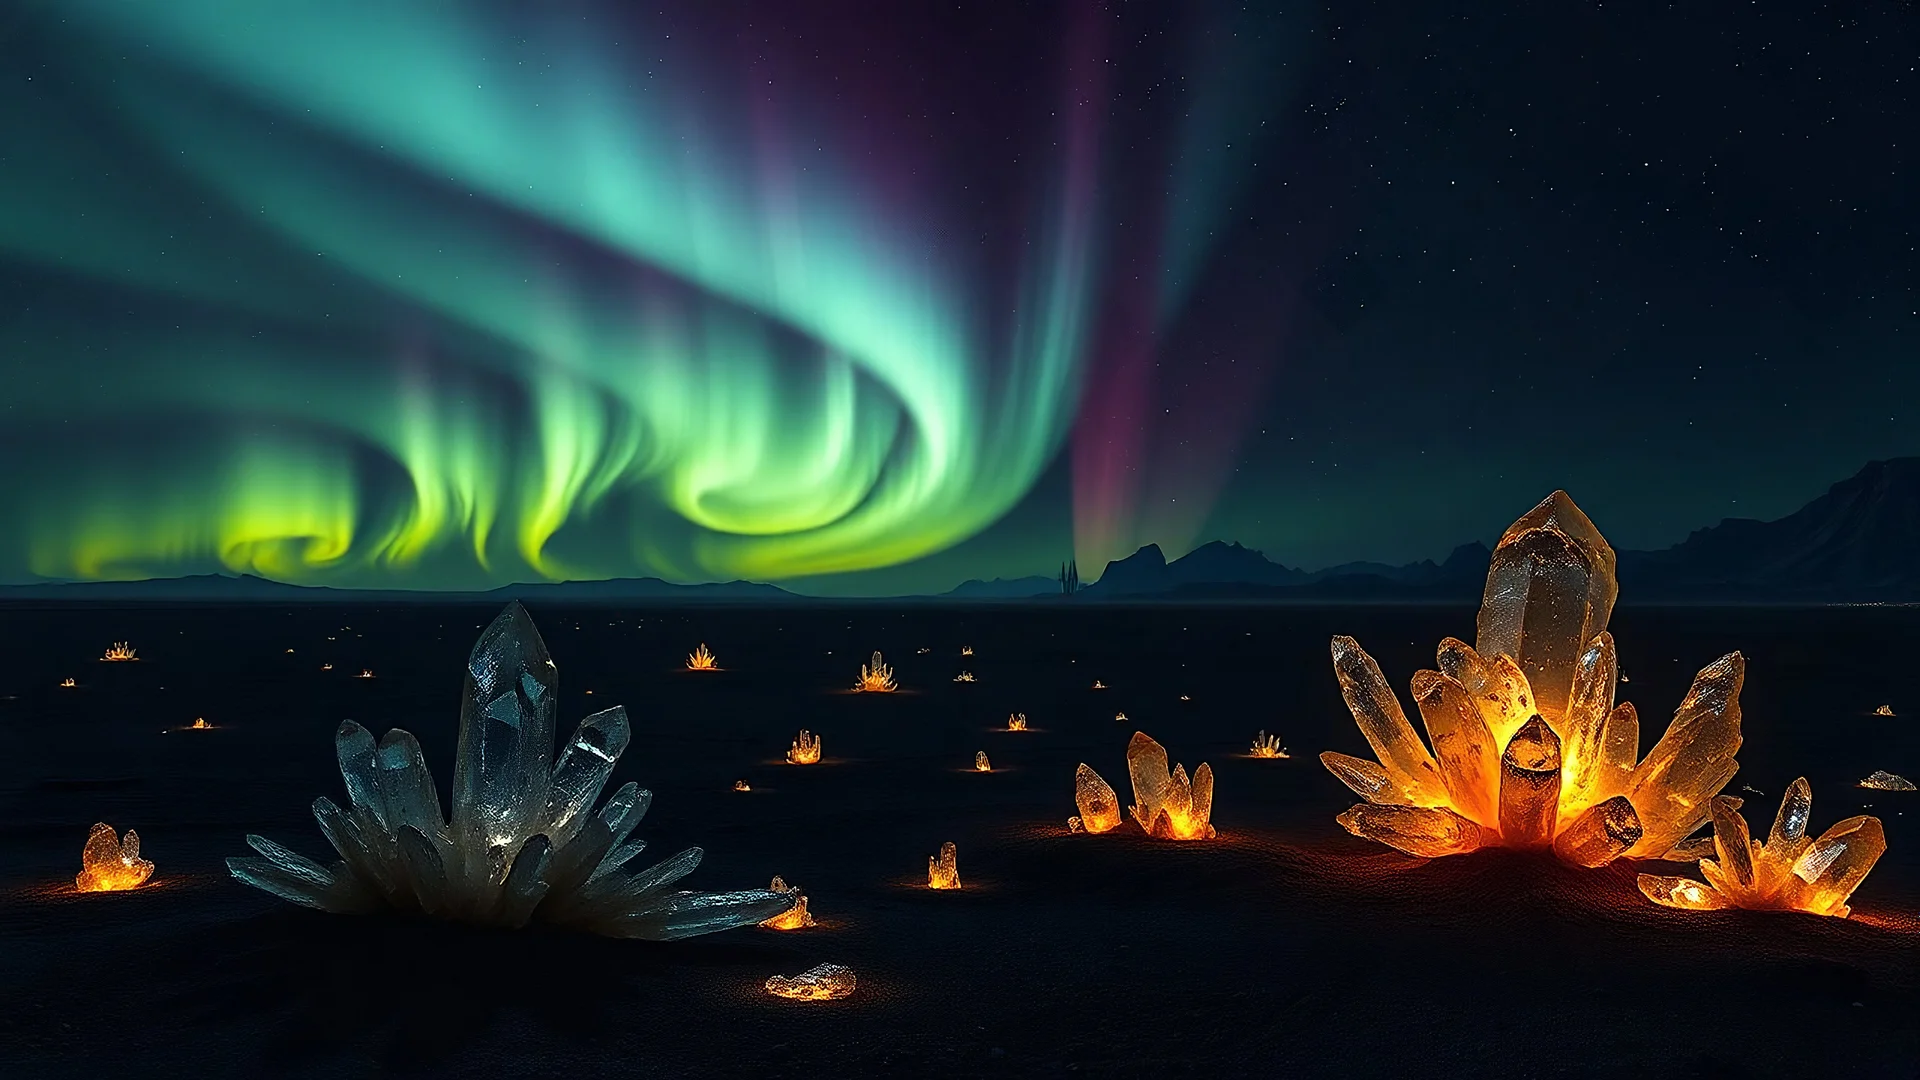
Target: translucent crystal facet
{"x": 1529, "y": 748}
{"x": 1550, "y": 590}
{"x": 1099, "y": 806}
{"x": 1168, "y": 805}
{"x": 109, "y": 863}
{"x": 805, "y": 749}
{"x": 798, "y": 917}
{"x": 1882, "y": 780}
{"x": 523, "y": 844}
{"x": 943, "y": 870}
{"x": 823, "y": 983}
{"x": 1785, "y": 873}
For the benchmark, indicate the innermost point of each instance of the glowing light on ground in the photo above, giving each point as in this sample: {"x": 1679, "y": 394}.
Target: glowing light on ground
{"x": 799, "y": 918}
{"x": 120, "y": 652}
{"x": 980, "y": 762}
{"x": 1017, "y": 721}
{"x": 1267, "y": 746}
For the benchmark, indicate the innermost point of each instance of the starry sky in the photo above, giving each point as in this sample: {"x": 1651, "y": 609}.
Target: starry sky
{"x": 865, "y": 300}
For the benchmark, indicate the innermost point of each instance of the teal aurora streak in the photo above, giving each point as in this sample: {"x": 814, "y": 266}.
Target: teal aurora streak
{"x": 413, "y": 302}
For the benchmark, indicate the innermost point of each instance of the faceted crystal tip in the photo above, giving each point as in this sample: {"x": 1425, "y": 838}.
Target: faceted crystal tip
{"x": 1550, "y": 590}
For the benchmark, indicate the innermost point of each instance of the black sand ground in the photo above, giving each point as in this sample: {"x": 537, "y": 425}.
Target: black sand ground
{"x": 1284, "y": 948}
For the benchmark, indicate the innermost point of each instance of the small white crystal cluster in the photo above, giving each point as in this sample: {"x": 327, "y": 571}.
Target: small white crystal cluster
{"x": 522, "y": 844}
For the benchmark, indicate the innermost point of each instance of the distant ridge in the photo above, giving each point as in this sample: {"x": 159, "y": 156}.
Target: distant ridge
{"x": 1858, "y": 543}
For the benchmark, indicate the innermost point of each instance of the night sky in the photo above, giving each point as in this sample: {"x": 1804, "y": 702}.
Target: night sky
{"x": 870, "y": 298}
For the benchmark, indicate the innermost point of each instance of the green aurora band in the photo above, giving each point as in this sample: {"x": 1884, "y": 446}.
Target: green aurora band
{"x": 398, "y": 299}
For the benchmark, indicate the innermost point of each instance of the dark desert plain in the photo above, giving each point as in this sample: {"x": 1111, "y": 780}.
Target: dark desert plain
{"x": 1284, "y": 947}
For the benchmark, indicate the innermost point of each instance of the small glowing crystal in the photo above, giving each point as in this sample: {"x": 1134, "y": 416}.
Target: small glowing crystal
{"x": 823, "y": 983}
{"x": 701, "y": 659}
{"x": 67, "y": 684}
{"x": 1882, "y": 780}
{"x": 1167, "y": 805}
{"x": 806, "y": 748}
{"x": 966, "y": 650}
{"x": 1017, "y": 721}
{"x": 199, "y": 724}
{"x": 1267, "y": 746}
{"x": 875, "y": 678}
{"x": 965, "y": 676}
{"x": 980, "y": 762}
{"x": 742, "y": 785}
{"x": 943, "y": 870}
{"x": 799, "y": 918}
{"x": 1786, "y": 872}
{"x": 1884, "y": 710}
{"x": 365, "y": 673}
{"x": 111, "y": 864}
{"x": 1098, "y": 685}
{"x": 326, "y": 667}
{"x": 121, "y": 651}
{"x": 1119, "y": 718}
{"x": 1099, "y": 806}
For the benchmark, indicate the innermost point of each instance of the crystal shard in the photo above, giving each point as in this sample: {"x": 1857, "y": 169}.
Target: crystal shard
{"x": 1672, "y": 786}
{"x": 1835, "y": 864}
{"x": 1600, "y": 834}
{"x": 1582, "y": 727}
{"x": 109, "y": 863}
{"x": 1167, "y": 805}
{"x": 943, "y": 870}
{"x": 1365, "y": 779}
{"x": 1384, "y": 723}
{"x": 523, "y": 844}
{"x": 1498, "y": 686}
{"x": 1530, "y": 786}
{"x": 1466, "y": 754}
{"x": 1882, "y": 780}
{"x": 1786, "y": 872}
{"x": 1099, "y": 806}
{"x": 1428, "y": 832}
{"x": 1550, "y": 590}
{"x": 823, "y": 983}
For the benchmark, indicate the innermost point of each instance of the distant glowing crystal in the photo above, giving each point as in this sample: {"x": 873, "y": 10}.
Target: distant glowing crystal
{"x": 67, "y": 684}
{"x": 805, "y": 750}
{"x": 1016, "y": 721}
{"x": 1168, "y": 806}
{"x": 876, "y": 677}
{"x": 965, "y": 676}
{"x": 966, "y": 650}
{"x": 1884, "y": 710}
{"x": 121, "y": 651}
{"x": 1098, "y": 685}
{"x": 980, "y": 762}
{"x": 742, "y": 785}
{"x": 1267, "y": 746}
{"x": 111, "y": 864}
{"x": 1099, "y": 806}
{"x": 365, "y": 673}
{"x": 798, "y": 917}
{"x": 1528, "y": 747}
{"x": 943, "y": 870}
{"x": 1882, "y": 780}
{"x": 1786, "y": 872}
{"x": 1119, "y": 718}
{"x": 522, "y": 843}
{"x": 823, "y": 983}
{"x": 702, "y": 660}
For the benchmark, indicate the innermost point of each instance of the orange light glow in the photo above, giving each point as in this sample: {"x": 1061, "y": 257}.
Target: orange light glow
{"x": 742, "y": 785}
{"x": 1267, "y": 746}
{"x": 121, "y": 651}
{"x": 823, "y": 983}
{"x": 1017, "y": 721}
{"x": 67, "y": 684}
{"x": 965, "y": 676}
{"x": 797, "y": 917}
{"x": 111, "y": 864}
{"x": 1528, "y": 747}
{"x": 943, "y": 870}
{"x": 1167, "y": 805}
{"x": 701, "y": 659}
{"x": 1788, "y": 872}
{"x": 966, "y": 650}
{"x": 1884, "y": 710}
{"x": 199, "y": 724}
{"x": 875, "y": 678}
{"x": 806, "y": 749}
{"x": 980, "y": 762}
{"x": 1099, "y": 806}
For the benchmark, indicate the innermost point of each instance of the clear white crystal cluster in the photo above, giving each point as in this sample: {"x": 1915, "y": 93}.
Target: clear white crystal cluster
{"x": 522, "y": 844}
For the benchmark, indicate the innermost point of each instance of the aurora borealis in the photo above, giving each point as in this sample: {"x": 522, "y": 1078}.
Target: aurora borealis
{"x": 449, "y": 295}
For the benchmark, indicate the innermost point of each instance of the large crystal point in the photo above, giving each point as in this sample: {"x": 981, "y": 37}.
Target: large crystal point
{"x": 1530, "y": 786}
{"x": 524, "y": 844}
{"x": 1550, "y": 590}
{"x": 1384, "y": 723}
{"x": 1095, "y": 799}
{"x": 1787, "y": 872}
{"x": 1582, "y": 727}
{"x": 1674, "y": 785}
{"x": 1167, "y": 805}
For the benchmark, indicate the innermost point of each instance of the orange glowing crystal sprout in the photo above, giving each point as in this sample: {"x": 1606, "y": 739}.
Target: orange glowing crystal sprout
{"x": 1168, "y": 806}
{"x": 1099, "y": 806}
{"x": 980, "y": 762}
{"x": 67, "y": 684}
{"x": 823, "y": 983}
{"x": 875, "y": 678}
{"x": 1529, "y": 748}
{"x": 701, "y": 659}
{"x": 1267, "y": 746}
{"x": 1788, "y": 872}
{"x": 943, "y": 870}
{"x": 110, "y": 864}
{"x": 1017, "y": 721}
{"x": 121, "y": 651}
{"x": 794, "y": 918}
{"x": 806, "y": 749}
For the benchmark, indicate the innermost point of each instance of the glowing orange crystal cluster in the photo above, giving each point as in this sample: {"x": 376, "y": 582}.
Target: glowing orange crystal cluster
{"x": 1267, "y": 746}
{"x": 943, "y": 870}
{"x": 876, "y": 677}
{"x": 823, "y": 983}
{"x": 701, "y": 659}
{"x": 121, "y": 651}
{"x": 795, "y": 918}
{"x": 1529, "y": 749}
{"x": 1017, "y": 721}
{"x": 980, "y": 762}
{"x": 111, "y": 864}
{"x": 806, "y": 749}
{"x": 1787, "y": 872}
{"x": 1167, "y": 805}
